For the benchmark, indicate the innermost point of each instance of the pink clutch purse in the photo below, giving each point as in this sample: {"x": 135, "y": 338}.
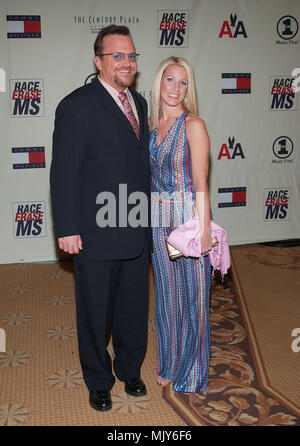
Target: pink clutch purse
{"x": 186, "y": 241}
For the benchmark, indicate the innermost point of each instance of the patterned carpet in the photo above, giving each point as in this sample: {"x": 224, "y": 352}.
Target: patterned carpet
{"x": 40, "y": 377}
{"x": 267, "y": 282}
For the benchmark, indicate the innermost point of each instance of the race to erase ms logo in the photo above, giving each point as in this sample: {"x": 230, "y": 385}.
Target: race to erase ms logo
{"x": 282, "y": 93}
{"x": 277, "y": 204}
{"x": 233, "y": 28}
{"x": 29, "y": 219}
{"x": 27, "y": 98}
{"x": 173, "y": 28}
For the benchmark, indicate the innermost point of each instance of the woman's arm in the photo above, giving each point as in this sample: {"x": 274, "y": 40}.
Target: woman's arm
{"x": 199, "y": 148}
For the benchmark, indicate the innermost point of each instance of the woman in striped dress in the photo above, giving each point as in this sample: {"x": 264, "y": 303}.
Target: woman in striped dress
{"x": 179, "y": 153}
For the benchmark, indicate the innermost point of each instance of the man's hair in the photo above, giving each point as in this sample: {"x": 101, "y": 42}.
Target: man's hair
{"x": 108, "y": 30}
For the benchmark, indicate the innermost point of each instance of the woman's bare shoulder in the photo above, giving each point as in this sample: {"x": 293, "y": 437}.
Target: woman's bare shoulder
{"x": 195, "y": 124}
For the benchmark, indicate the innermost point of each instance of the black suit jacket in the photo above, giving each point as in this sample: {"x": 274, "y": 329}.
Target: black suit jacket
{"x": 95, "y": 151}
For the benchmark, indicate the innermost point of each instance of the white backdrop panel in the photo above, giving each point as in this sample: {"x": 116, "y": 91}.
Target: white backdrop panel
{"x": 253, "y": 146}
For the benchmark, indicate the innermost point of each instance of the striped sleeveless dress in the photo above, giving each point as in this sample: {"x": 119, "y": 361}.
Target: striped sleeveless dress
{"x": 182, "y": 285}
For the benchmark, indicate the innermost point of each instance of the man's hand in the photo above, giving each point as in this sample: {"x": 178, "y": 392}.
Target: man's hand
{"x": 71, "y": 244}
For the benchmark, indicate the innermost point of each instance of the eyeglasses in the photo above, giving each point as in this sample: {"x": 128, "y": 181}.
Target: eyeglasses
{"x": 118, "y": 57}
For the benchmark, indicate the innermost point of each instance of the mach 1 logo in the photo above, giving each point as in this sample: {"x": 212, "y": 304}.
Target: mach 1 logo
{"x": 27, "y": 98}
{"x": 173, "y": 28}
{"x": 282, "y": 93}
{"x": 287, "y": 29}
{"x": 90, "y": 78}
{"x": 277, "y": 204}
{"x": 29, "y": 219}
{"x": 231, "y": 150}
{"x": 283, "y": 148}
{"x": 233, "y": 28}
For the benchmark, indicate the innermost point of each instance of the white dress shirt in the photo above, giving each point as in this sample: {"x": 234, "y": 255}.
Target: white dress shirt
{"x": 115, "y": 94}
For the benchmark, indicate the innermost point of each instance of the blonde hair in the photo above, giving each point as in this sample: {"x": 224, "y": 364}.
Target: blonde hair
{"x": 190, "y": 101}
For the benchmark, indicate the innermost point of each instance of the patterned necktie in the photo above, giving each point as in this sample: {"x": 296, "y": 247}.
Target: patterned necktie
{"x": 129, "y": 113}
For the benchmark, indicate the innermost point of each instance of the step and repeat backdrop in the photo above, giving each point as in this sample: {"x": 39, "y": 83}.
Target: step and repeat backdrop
{"x": 246, "y": 59}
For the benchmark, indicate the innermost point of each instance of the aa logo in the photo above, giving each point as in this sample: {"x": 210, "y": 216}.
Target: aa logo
{"x": 27, "y": 98}
{"x": 231, "y": 150}
{"x": 233, "y": 28}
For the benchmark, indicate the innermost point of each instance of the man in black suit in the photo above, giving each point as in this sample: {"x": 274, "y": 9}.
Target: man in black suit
{"x": 100, "y": 164}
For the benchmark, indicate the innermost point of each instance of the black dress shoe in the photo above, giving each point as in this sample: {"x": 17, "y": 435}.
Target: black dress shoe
{"x": 100, "y": 400}
{"x": 135, "y": 387}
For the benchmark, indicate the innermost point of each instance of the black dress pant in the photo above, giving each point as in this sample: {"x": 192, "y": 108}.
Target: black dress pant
{"x": 111, "y": 298}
